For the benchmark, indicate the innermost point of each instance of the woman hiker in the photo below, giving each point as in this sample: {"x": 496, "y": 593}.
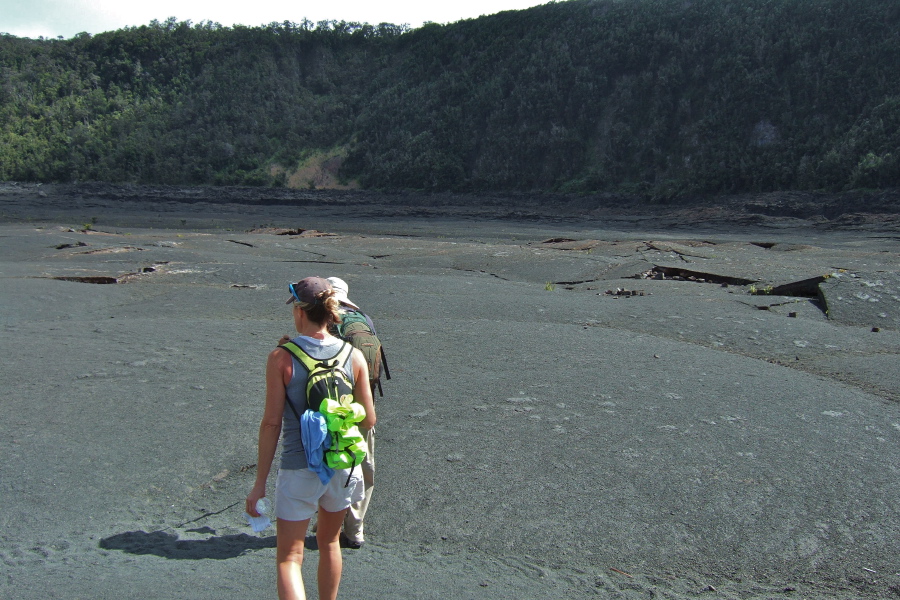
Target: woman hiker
{"x": 299, "y": 491}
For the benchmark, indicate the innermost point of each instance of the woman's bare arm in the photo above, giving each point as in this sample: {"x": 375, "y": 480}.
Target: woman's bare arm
{"x": 278, "y": 373}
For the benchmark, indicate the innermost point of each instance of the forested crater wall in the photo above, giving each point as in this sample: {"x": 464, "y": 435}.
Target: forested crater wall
{"x": 656, "y": 98}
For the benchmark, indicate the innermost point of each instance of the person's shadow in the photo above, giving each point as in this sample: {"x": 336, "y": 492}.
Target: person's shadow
{"x": 167, "y": 545}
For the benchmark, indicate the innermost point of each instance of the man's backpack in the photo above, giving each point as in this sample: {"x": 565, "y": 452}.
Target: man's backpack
{"x": 357, "y": 328}
{"x": 329, "y": 391}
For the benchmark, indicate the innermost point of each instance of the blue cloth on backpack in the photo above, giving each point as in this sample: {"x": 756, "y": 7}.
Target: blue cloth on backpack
{"x": 314, "y": 433}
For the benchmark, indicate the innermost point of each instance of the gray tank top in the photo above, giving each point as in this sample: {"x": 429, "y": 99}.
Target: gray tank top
{"x": 292, "y": 454}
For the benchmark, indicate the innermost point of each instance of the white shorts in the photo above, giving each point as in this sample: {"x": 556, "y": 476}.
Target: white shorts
{"x": 299, "y": 493}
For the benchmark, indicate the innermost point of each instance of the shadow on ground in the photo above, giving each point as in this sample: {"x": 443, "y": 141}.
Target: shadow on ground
{"x": 167, "y": 545}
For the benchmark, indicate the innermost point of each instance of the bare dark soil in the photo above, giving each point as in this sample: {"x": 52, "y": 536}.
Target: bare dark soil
{"x": 592, "y": 397}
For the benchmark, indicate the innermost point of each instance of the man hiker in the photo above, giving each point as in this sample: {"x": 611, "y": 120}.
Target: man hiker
{"x": 357, "y": 329}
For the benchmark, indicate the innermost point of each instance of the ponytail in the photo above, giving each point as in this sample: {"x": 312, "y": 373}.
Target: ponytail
{"x": 326, "y": 310}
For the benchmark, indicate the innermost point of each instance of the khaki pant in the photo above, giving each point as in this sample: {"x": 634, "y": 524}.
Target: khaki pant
{"x": 353, "y": 522}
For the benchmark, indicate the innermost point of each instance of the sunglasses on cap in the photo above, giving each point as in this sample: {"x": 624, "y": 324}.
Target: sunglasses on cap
{"x": 294, "y": 297}
{"x": 307, "y": 291}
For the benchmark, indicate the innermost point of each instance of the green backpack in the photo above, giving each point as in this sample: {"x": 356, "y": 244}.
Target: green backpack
{"x": 357, "y": 329}
{"x": 329, "y": 391}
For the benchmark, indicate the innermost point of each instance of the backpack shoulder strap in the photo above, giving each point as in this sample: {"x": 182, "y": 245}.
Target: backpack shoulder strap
{"x": 343, "y": 355}
{"x": 300, "y": 354}
{"x": 340, "y": 358}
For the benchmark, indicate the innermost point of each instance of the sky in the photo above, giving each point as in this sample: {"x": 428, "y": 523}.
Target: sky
{"x": 53, "y": 18}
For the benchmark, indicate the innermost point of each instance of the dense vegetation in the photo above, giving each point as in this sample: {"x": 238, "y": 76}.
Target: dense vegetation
{"x": 659, "y": 97}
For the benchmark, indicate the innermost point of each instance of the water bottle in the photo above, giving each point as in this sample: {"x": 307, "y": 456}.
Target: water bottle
{"x": 262, "y": 522}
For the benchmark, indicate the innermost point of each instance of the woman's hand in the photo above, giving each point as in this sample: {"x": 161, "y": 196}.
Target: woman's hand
{"x": 284, "y": 339}
{"x": 253, "y": 498}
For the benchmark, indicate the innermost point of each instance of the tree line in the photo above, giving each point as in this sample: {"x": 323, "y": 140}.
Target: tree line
{"x": 654, "y": 97}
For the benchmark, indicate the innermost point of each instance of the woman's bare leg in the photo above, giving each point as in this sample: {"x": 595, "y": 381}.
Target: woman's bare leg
{"x": 289, "y": 559}
{"x": 330, "y": 560}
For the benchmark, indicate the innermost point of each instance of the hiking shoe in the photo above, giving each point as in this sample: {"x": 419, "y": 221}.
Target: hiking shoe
{"x": 351, "y": 544}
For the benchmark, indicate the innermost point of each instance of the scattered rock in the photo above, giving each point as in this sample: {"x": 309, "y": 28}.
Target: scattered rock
{"x": 624, "y": 292}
